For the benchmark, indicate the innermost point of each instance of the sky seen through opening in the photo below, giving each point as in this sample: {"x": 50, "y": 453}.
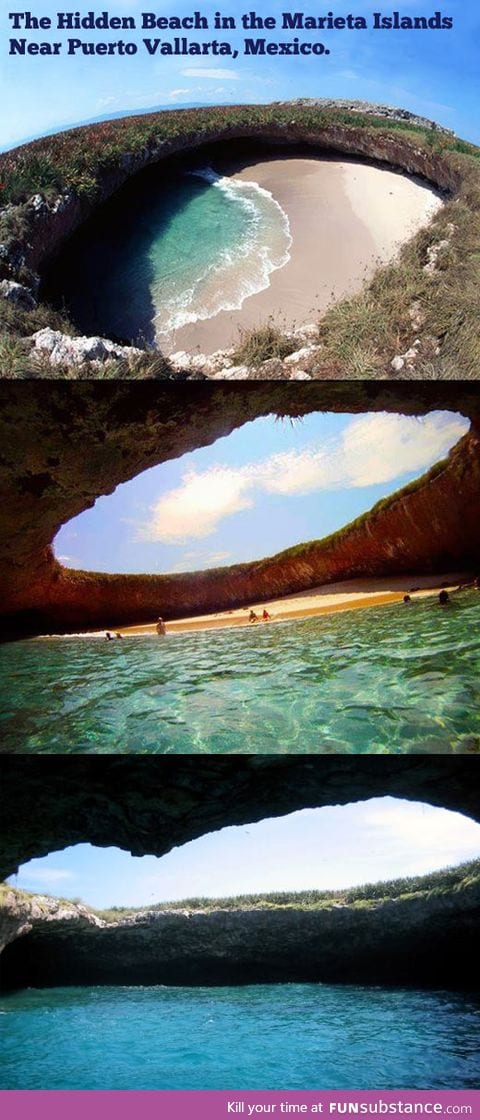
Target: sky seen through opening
{"x": 330, "y": 848}
{"x": 269, "y": 485}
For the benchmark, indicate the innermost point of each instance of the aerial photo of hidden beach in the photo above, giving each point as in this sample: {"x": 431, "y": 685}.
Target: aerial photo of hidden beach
{"x": 305, "y": 239}
{"x": 310, "y": 559}
{"x": 325, "y": 907}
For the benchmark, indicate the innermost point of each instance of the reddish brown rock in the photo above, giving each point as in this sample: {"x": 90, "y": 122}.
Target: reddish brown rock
{"x": 65, "y": 444}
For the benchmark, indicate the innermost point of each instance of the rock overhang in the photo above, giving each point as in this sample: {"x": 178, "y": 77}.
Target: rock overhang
{"x": 63, "y": 445}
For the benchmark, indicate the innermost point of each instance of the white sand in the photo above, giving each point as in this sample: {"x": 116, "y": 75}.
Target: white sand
{"x": 346, "y": 595}
{"x": 345, "y": 219}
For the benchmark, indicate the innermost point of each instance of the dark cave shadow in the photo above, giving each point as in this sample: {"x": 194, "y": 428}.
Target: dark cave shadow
{"x": 88, "y": 279}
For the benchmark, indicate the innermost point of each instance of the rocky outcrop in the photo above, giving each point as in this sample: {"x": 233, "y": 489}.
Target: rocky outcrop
{"x": 65, "y": 444}
{"x": 150, "y": 804}
{"x": 65, "y": 350}
{"x": 424, "y": 938}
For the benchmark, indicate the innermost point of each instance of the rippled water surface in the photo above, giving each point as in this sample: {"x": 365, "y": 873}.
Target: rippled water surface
{"x": 291, "y": 1036}
{"x": 386, "y": 680}
{"x": 169, "y": 251}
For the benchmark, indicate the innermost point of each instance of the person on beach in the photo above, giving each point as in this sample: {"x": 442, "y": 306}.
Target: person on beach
{"x": 118, "y": 635}
{"x": 252, "y": 616}
{"x": 265, "y": 616}
{"x": 109, "y": 637}
{"x": 407, "y": 600}
{"x": 161, "y": 628}
{"x": 444, "y": 599}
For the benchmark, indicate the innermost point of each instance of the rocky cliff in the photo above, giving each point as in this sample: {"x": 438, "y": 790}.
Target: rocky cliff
{"x": 64, "y": 445}
{"x": 427, "y": 937}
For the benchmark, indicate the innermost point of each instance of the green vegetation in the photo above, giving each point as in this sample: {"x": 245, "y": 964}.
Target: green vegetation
{"x": 437, "y": 882}
{"x": 261, "y": 344}
{"x": 444, "y": 880}
{"x": 76, "y": 159}
{"x": 358, "y": 337}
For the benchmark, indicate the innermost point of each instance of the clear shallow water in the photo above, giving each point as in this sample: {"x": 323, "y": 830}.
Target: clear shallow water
{"x": 382, "y": 680}
{"x": 174, "y": 252}
{"x": 291, "y": 1036}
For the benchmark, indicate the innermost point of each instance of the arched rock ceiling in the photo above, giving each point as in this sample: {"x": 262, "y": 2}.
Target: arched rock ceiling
{"x": 149, "y": 805}
{"x": 64, "y": 444}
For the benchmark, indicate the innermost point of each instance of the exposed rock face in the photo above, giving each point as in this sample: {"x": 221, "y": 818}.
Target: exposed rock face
{"x": 65, "y": 444}
{"x": 147, "y": 805}
{"x": 17, "y": 294}
{"x": 423, "y": 938}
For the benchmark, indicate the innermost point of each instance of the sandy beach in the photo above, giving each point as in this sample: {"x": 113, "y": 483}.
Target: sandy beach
{"x": 345, "y": 219}
{"x": 328, "y": 599}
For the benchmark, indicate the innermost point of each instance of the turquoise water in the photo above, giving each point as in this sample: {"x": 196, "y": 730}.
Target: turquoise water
{"x": 384, "y": 680}
{"x": 291, "y": 1036}
{"x": 388, "y": 680}
{"x": 170, "y": 252}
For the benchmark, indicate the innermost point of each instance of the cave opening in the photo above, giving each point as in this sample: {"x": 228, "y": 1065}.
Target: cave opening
{"x": 257, "y": 492}
{"x": 402, "y": 984}
{"x": 377, "y": 891}
{"x": 209, "y": 240}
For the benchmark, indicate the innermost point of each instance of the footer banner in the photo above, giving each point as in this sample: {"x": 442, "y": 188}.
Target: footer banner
{"x": 220, "y": 1104}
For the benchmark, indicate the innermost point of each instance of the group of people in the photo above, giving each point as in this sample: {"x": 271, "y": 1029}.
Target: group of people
{"x": 444, "y": 599}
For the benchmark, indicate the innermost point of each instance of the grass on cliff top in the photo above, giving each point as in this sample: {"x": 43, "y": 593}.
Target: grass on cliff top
{"x": 444, "y": 880}
{"x": 358, "y": 337}
{"x": 297, "y": 551}
{"x": 437, "y": 882}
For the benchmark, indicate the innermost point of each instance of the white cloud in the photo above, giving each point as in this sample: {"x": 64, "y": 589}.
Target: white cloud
{"x": 218, "y": 74}
{"x": 178, "y": 93}
{"x": 373, "y": 449}
{"x": 425, "y": 830}
{"x": 197, "y": 506}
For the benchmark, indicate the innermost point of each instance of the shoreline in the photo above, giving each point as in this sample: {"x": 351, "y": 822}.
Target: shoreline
{"x": 346, "y": 219}
{"x": 326, "y": 599}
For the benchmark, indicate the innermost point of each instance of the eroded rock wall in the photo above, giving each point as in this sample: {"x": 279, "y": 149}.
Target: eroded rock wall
{"x": 147, "y": 805}
{"x": 425, "y": 938}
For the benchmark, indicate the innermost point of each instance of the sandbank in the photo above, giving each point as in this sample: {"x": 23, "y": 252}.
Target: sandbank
{"x": 328, "y": 599}
{"x": 346, "y": 218}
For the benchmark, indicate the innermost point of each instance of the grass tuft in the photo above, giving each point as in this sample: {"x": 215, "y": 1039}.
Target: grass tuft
{"x": 261, "y": 344}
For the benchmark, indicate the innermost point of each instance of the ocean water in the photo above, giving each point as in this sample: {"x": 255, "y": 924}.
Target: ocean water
{"x": 175, "y": 251}
{"x": 290, "y": 1036}
{"x": 387, "y": 680}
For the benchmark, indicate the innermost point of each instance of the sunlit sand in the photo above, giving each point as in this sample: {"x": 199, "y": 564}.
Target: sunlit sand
{"x": 346, "y": 219}
{"x": 328, "y": 599}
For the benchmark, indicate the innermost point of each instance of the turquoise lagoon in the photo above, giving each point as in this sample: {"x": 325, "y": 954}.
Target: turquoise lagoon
{"x": 280, "y": 1036}
{"x": 191, "y": 244}
{"x": 392, "y": 679}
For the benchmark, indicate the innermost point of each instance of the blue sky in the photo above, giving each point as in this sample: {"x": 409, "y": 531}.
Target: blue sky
{"x": 435, "y": 73}
{"x": 334, "y": 847}
{"x": 267, "y": 486}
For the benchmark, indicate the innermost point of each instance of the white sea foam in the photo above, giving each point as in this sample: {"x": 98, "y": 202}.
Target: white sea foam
{"x": 227, "y": 282}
